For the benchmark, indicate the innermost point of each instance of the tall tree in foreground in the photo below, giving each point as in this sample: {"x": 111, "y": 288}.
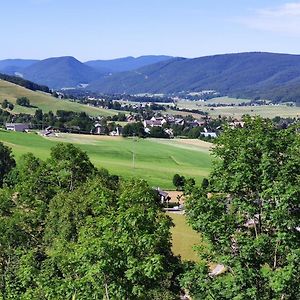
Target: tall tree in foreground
{"x": 250, "y": 214}
{"x": 107, "y": 245}
{"x": 7, "y": 161}
{"x": 69, "y": 231}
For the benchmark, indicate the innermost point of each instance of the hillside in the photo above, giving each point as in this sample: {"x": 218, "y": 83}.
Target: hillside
{"x": 126, "y": 63}
{"x": 11, "y": 66}
{"x": 242, "y": 75}
{"x": 24, "y": 83}
{"x": 44, "y": 101}
{"x": 60, "y": 72}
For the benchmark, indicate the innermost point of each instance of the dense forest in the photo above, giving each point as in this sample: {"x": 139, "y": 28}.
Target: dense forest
{"x": 71, "y": 231}
{"x": 243, "y": 75}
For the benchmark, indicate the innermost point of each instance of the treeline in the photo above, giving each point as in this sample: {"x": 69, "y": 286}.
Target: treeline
{"x": 82, "y": 95}
{"x": 285, "y": 93}
{"x": 65, "y": 121}
{"x": 25, "y": 83}
{"x": 116, "y": 105}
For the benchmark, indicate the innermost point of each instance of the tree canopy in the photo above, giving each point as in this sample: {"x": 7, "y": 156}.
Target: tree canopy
{"x": 7, "y": 161}
{"x": 70, "y": 231}
{"x": 249, "y": 214}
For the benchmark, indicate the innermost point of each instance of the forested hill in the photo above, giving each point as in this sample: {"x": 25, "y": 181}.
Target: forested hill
{"x": 67, "y": 71}
{"x": 126, "y": 63}
{"x": 255, "y": 74}
{"x": 13, "y": 66}
{"x": 25, "y": 83}
{"x": 60, "y": 72}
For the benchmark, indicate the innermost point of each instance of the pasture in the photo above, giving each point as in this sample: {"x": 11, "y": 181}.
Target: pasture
{"x": 184, "y": 238}
{"x": 265, "y": 111}
{"x": 155, "y": 160}
{"x": 45, "y": 101}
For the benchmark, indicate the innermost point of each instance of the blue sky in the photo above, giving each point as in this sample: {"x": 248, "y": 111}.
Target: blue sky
{"x": 104, "y": 29}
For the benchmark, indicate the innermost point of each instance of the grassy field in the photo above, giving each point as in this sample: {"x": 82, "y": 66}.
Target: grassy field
{"x": 226, "y": 100}
{"x": 45, "y": 101}
{"x": 200, "y": 104}
{"x": 266, "y": 111}
{"x": 184, "y": 238}
{"x": 155, "y": 160}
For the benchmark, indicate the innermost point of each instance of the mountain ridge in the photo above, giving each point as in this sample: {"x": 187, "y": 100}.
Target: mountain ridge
{"x": 275, "y": 76}
{"x": 126, "y": 63}
{"x": 248, "y": 73}
{"x": 60, "y": 72}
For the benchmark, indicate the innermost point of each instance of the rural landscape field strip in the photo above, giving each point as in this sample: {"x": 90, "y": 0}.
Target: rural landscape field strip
{"x": 265, "y": 111}
{"x": 154, "y": 161}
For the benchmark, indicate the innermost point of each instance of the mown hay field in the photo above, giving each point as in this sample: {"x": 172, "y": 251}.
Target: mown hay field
{"x": 155, "y": 160}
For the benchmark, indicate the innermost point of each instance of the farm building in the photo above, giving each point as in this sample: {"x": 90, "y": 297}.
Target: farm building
{"x": 164, "y": 196}
{"x": 17, "y": 126}
{"x": 209, "y": 134}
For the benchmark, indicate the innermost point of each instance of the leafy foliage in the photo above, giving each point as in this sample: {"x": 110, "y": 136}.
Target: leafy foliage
{"x": 134, "y": 129}
{"x": 23, "y": 101}
{"x": 249, "y": 213}
{"x": 69, "y": 231}
{"x": 7, "y": 161}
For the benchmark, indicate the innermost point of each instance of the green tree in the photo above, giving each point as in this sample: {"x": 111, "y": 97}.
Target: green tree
{"x": 7, "y": 161}
{"x": 71, "y": 165}
{"x": 69, "y": 231}
{"x": 23, "y": 101}
{"x": 10, "y": 106}
{"x": 38, "y": 115}
{"x": 249, "y": 214}
{"x": 4, "y": 104}
{"x": 107, "y": 245}
{"x": 158, "y": 132}
{"x": 134, "y": 129}
{"x": 178, "y": 181}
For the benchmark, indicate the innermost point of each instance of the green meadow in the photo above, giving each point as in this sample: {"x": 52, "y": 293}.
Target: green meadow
{"x": 45, "y": 101}
{"x": 154, "y": 160}
{"x": 184, "y": 238}
{"x": 265, "y": 111}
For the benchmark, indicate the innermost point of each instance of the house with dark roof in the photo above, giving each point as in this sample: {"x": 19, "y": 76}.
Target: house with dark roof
{"x": 21, "y": 127}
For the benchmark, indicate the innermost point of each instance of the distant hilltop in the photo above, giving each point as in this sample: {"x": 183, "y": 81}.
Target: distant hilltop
{"x": 252, "y": 75}
{"x": 67, "y": 71}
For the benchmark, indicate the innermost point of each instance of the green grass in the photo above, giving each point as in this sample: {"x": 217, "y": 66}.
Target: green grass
{"x": 226, "y": 100}
{"x": 155, "y": 160}
{"x": 45, "y": 101}
{"x": 219, "y": 100}
{"x": 184, "y": 238}
{"x": 266, "y": 111}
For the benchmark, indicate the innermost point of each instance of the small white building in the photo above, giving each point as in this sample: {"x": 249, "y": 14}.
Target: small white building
{"x": 17, "y": 127}
{"x": 209, "y": 134}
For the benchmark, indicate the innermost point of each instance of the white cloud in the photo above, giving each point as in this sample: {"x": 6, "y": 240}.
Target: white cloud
{"x": 284, "y": 19}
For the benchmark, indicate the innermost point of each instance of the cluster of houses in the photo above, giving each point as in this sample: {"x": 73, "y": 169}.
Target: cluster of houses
{"x": 165, "y": 122}
{"x": 171, "y": 120}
